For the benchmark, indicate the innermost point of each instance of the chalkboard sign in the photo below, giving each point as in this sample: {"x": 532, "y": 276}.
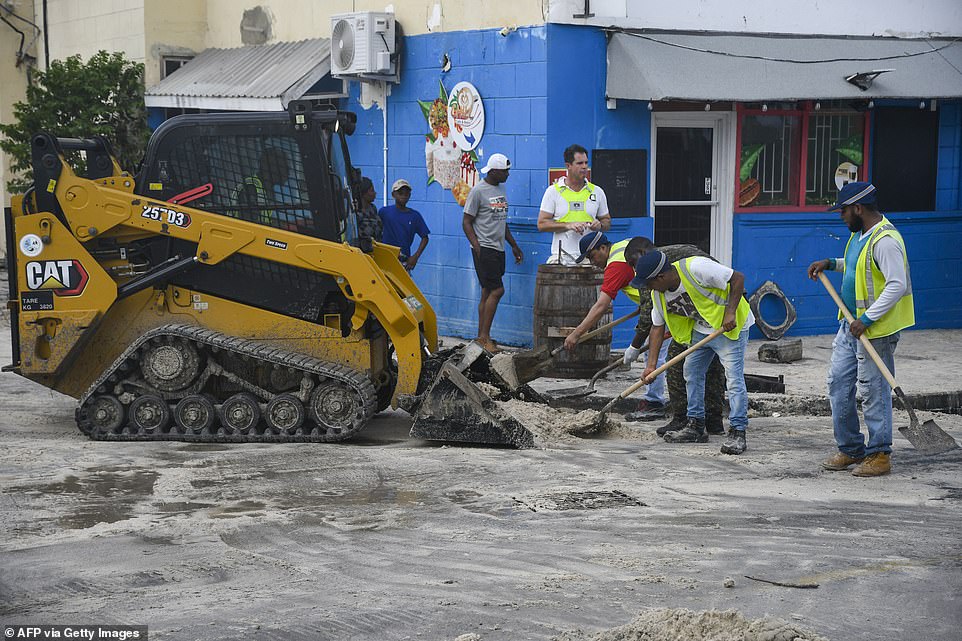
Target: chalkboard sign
{"x": 623, "y": 174}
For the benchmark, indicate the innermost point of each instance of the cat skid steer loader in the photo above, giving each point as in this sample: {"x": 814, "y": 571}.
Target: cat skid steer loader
{"x": 224, "y": 293}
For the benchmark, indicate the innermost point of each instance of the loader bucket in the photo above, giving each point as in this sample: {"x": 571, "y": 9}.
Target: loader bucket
{"x": 454, "y": 409}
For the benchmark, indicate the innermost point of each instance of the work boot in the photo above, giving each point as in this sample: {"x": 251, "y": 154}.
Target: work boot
{"x": 672, "y": 426}
{"x": 735, "y": 444}
{"x": 714, "y": 425}
{"x": 841, "y": 461}
{"x": 693, "y": 432}
{"x": 877, "y": 464}
{"x": 647, "y": 411}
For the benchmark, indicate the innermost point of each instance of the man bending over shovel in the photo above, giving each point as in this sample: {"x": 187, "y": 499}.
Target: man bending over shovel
{"x": 601, "y": 253}
{"x": 878, "y": 293}
{"x": 693, "y": 298}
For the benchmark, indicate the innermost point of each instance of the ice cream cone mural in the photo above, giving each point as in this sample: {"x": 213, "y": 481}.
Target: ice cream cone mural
{"x": 456, "y": 124}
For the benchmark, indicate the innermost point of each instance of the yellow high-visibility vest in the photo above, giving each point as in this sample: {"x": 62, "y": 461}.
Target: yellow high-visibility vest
{"x": 869, "y": 283}
{"x": 616, "y": 254}
{"x": 709, "y": 301}
{"x": 577, "y": 202}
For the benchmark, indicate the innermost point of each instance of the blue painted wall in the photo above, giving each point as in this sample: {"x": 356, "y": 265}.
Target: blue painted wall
{"x": 780, "y": 246}
{"x": 543, "y": 89}
{"x": 517, "y": 84}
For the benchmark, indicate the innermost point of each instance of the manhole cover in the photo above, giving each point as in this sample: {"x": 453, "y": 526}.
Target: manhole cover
{"x": 579, "y": 501}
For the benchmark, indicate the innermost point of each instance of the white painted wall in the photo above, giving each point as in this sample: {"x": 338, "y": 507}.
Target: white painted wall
{"x": 851, "y": 17}
{"x": 86, "y": 26}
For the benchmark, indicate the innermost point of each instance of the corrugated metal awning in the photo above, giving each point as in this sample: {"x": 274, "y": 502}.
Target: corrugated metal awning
{"x": 252, "y": 78}
{"x": 684, "y": 66}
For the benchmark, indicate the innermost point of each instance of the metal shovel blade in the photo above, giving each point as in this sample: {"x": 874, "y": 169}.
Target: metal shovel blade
{"x": 928, "y": 438}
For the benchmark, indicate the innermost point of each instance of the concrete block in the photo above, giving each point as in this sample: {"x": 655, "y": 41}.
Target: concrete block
{"x": 785, "y": 351}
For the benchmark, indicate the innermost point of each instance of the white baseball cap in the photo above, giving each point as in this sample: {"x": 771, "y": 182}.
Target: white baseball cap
{"x": 496, "y": 161}
{"x": 400, "y": 182}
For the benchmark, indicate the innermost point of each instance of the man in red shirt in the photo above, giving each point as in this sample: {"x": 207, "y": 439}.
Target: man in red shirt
{"x": 619, "y": 273}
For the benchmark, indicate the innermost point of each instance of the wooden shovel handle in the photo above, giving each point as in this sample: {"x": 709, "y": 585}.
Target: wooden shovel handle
{"x": 631, "y": 390}
{"x": 598, "y": 330}
{"x": 866, "y": 343}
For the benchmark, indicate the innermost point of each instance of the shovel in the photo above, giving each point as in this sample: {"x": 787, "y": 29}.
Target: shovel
{"x": 603, "y": 415}
{"x": 927, "y": 438}
{"x": 589, "y": 389}
{"x": 517, "y": 369}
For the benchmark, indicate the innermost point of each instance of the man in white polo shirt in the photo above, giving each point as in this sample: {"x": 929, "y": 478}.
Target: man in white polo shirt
{"x": 572, "y": 207}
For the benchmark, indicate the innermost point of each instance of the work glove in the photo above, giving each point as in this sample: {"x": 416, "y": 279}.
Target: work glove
{"x": 631, "y": 354}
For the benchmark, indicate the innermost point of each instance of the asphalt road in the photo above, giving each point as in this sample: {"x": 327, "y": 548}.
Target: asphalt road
{"x": 389, "y": 538}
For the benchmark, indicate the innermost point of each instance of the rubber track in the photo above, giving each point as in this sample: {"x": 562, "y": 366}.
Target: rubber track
{"x": 359, "y": 382}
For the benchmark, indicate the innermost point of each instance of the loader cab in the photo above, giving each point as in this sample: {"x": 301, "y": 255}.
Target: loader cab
{"x": 259, "y": 167}
{"x": 272, "y": 169}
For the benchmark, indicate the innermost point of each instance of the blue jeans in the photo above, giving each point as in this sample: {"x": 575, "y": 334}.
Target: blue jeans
{"x": 656, "y": 391}
{"x": 731, "y": 353}
{"x": 852, "y": 369}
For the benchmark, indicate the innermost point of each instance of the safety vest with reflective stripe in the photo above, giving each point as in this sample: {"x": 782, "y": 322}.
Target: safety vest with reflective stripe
{"x": 265, "y": 215}
{"x": 577, "y": 202}
{"x": 869, "y": 283}
{"x": 616, "y": 254}
{"x": 709, "y": 301}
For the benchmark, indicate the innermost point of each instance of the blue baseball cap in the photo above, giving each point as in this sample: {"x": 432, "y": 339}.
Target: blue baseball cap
{"x": 648, "y": 266}
{"x": 589, "y": 242}
{"x": 857, "y": 193}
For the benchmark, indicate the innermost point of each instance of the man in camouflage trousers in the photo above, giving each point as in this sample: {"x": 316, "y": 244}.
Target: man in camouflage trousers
{"x": 677, "y": 392}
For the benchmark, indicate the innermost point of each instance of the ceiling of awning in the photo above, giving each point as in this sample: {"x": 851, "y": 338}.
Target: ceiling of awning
{"x": 252, "y": 78}
{"x": 713, "y": 67}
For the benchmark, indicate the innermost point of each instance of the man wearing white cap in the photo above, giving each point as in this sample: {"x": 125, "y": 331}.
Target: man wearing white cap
{"x": 572, "y": 207}
{"x": 485, "y": 224}
{"x": 401, "y": 223}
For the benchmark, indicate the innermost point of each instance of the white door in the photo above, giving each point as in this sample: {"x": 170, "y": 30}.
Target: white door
{"x": 692, "y": 178}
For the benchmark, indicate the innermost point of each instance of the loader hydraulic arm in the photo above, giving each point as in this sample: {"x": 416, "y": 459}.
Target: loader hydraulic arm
{"x": 94, "y": 206}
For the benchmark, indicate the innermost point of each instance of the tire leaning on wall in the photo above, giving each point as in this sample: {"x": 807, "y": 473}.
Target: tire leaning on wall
{"x": 772, "y": 332}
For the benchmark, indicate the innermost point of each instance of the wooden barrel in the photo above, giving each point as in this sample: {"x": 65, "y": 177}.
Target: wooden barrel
{"x": 562, "y": 297}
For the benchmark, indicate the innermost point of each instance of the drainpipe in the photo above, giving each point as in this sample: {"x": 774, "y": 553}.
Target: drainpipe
{"x": 384, "y": 134}
{"x": 46, "y": 39}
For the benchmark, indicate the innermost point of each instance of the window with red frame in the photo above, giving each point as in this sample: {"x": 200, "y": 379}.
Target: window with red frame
{"x": 797, "y": 157}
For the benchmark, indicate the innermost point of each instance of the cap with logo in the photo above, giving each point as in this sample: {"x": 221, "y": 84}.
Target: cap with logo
{"x": 859, "y": 193}
{"x": 589, "y": 242}
{"x": 400, "y": 182}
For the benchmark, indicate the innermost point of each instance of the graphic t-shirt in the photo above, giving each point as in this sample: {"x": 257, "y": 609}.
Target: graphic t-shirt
{"x": 488, "y": 205}
{"x": 709, "y": 274}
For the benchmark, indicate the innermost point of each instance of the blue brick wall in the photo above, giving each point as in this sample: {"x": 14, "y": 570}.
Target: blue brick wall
{"x": 517, "y": 85}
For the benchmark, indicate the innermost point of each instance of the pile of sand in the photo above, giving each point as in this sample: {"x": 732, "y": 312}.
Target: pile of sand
{"x": 550, "y": 425}
{"x": 674, "y": 624}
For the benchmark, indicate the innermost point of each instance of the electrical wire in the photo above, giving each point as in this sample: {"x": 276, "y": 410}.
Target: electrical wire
{"x": 790, "y": 60}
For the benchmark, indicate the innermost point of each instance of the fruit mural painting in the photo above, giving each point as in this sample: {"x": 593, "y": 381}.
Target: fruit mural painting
{"x": 455, "y": 123}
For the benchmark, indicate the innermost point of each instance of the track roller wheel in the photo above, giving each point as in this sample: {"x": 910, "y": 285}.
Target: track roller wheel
{"x": 334, "y": 407}
{"x": 240, "y": 413}
{"x": 149, "y": 414}
{"x": 195, "y": 414}
{"x": 105, "y": 413}
{"x": 170, "y": 364}
{"x": 284, "y": 414}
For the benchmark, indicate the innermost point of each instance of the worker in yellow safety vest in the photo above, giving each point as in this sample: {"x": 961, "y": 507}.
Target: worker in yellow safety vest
{"x": 693, "y": 298}
{"x": 600, "y": 252}
{"x": 572, "y": 207}
{"x": 877, "y": 290}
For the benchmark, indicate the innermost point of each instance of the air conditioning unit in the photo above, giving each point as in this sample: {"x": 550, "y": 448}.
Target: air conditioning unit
{"x": 363, "y": 44}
